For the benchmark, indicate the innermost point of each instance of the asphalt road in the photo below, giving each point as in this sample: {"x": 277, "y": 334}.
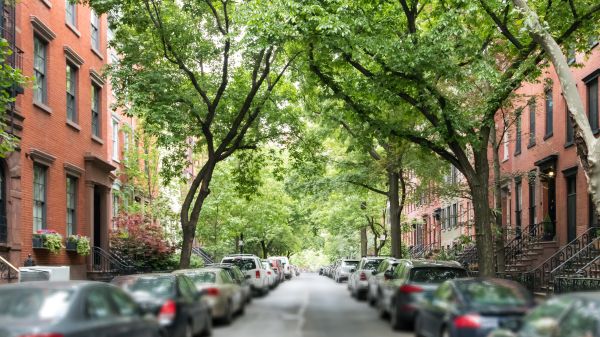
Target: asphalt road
{"x": 309, "y": 306}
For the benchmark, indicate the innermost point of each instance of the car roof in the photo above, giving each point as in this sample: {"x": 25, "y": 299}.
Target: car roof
{"x": 53, "y": 285}
{"x": 433, "y": 263}
{"x": 348, "y": 260}
{"x": 205, "y": 269}
{"x": 134, "y": 276}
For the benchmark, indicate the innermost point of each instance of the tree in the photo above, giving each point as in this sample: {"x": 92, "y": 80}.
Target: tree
{"x": 588, "y": 146}
{"x": 202, "y": 77}
{"x": 10, "y": 78}
{"x": 433, "y": 73}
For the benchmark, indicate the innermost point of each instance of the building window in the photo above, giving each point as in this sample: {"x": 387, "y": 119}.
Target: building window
{"x": 592, "y": 94}
{"x": 95, "y": 20}
{"x": 549, "y": 114}
{"x": 532, "y": 215}
{"x": 571, "y": 207}
{"x": 115, "y": 139}
{"x": 505, "y": 144}
{"x": 71, "y": 205}
{"x": 70, "y": 13}
{"x": 95, "y": 111}
{"x": 518, "y": 206}
{"x": 39, "y": 197}
{"x": 531, "y": 122}
{"x": 115, "y": 204}
{"x": 518, "y": 137}
{"x": 455, "y": 215}
{"x": 71, "y": 93}
{"x": 39, "y": 70}
{"x": 569, "y": 132}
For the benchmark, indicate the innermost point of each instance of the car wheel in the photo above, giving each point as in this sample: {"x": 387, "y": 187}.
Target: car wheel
{"x": 228, "y": 317}
{"x": 397, "y": 322}
{"x": 445, "y": 332}
{"x": 242, "y": 310}
{"x": 383, "y": 314}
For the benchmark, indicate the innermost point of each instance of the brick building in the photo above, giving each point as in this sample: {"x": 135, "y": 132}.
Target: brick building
{"x": 61, "y": 176}
{"x": 540, "y": 172}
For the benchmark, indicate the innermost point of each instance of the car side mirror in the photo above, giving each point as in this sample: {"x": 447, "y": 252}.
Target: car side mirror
{"x": 388, "y": 275}
{"x": 200, "y": 294}
{"x": 440, "y": 304}
{"x": 352, "y": 270}
{"x": 374, "y": 272}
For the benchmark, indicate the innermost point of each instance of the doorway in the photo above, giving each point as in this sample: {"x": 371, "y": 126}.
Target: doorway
{"x": 97, "y": 217}
{"x": 571, "y": 207}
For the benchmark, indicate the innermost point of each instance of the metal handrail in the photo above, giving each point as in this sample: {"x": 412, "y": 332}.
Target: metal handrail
{"x": 513, "y": 250}
{"x": 103, "y": 261}
{"x": 204, "y": 255}
{"x": 577, "y": 256}
{"x": 592, "y": 268}
{"x": 539, "y": 277}
{"x": 7, "y": 269}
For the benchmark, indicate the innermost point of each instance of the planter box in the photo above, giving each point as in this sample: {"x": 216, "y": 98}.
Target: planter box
{"x": 71, "y": 246}
{"x": 38, "y": 243}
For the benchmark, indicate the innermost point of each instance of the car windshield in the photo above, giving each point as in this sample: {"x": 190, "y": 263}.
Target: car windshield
{"x": 202, "y": 277}
{"x": 243, "y": 264}
{"x": 435, "y": 274}
{"x": 158, "y": 286}
{"x": 372, "y": 264}
{"x": 34, "y": 304}
{"x": 491, "y": 294}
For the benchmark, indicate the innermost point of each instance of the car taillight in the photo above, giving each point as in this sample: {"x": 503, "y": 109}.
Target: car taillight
{"x": 467, "y": 322}
{"x": 212, "y": 291}
{"x": 258, "y": 274}
{"x": 44, "y": 335}
{"x": 363, "y": 276}
{"x": 410, "y": 289}
{"x": 167, "y": 312}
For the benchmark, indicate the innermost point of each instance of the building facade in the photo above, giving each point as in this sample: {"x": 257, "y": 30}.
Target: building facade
{"x": 60, "y": 178}
{"x": 543, "y": 185}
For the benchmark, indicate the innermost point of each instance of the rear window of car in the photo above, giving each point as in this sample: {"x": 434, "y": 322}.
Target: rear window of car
{"x": 435, "y": 274}
{"x": 490, "y": 294}
{"x": 34, "y": 304}
{"x": 243, "y": 264}
{"x": 372, "y": 264}
{"x": 350, "y": 263}
{"x": 202, "y": 277}
{"x": 160, "y": 286}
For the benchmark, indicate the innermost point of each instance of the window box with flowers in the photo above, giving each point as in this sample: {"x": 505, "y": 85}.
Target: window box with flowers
{"x": 79, "y": 244}
{"x": 47, "y": 239}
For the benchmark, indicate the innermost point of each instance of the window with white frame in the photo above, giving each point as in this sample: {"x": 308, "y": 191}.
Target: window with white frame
{"x": 115, "y": 139}
{"x": 95, "y": 31}
{"x": 71, "y": 205}
{"x": 70, "y": 13}
{"x": 39, "y": 197}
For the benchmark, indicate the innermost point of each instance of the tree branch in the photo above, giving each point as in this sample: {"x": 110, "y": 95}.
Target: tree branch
{"x": 370, "y": 188}
{"x": 503, "y": 28}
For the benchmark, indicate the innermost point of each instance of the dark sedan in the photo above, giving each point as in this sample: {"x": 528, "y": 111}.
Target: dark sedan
{"x": 71, "y": 309}
{"x": 179, "y": 307}
{"x": 473, "y": 308}
{"x": 571, "y": 315}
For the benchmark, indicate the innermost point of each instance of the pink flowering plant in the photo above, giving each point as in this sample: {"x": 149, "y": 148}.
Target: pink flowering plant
{"x": 51, "y": 240}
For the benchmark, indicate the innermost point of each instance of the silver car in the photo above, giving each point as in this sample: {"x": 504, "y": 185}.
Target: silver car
{"x": 377, "y": 279}
{"x": 358, "y": 282}
{"x": 343, "y": 271}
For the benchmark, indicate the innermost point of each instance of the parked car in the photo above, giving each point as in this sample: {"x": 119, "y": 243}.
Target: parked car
{"x": 378, "y": 278}
{"x": 277, "y": 267}
{"x": 74, "y": 308}
{"x": 272, "y": 277}
{"x": 173, "y": 299}
{"x": 252, "y": 268}
{"x": 473, "y": 308}
{"x": 571, "y": 315}
{"x": 224, "y": 296}
{"x": 358, "y": 282}
{"x": 343, "y": 270}
{"x": 238, "y": 276}
{"x": 411, "y": 282}
{"x": 285, "y": 262}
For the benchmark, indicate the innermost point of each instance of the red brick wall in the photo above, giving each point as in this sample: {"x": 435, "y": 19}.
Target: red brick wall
{"x": 49, "y": 132}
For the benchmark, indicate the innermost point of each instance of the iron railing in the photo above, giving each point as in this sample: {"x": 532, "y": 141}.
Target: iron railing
{"x": 565, "y": 284}
{"x": 468, "y": 257}
{"x": 539, "y": 279}
{"x": 104, "y": 262}
{"x": 8, "y": 272}
{"x": 516, "y": 248}
{"x": 592, "y": 269}
{"x": 203, "y": 254}
{"x": 578, "y": 260}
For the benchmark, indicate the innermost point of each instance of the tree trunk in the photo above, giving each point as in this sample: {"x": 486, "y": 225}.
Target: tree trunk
{"x": 479, "y": 185}
{"x": 394, "y": 201}
{"x": 189, "y": 220}
{"x": 588, "y": 147}
{"x": 363, "y": 241}
{"x": 499, "y": 230}
{"x": 263, "y": 245}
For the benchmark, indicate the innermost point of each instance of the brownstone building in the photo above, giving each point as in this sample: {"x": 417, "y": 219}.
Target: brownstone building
{"x": 60, "y": 178}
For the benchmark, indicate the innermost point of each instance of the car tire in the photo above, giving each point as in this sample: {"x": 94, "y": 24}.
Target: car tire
{"x": 445, "y": 332}
{"x": 188, "y": 331}
{"x": 396, "y": 322}
{"x": 242, "y": 310}
{"x": 228, "y": 317}
{"x": 383, "y": 314}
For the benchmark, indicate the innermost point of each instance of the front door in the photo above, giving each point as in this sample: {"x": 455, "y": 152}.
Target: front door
{"x": 3, "y": 222}
{"x": 97, "y": 217}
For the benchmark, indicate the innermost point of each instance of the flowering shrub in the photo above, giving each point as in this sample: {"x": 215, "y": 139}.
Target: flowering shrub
{"x": 51, "y": 240}
{"x": 142, "y": 242}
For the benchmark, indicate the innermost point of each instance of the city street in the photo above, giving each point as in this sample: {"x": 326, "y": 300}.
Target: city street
{"x": 309, "y": 306}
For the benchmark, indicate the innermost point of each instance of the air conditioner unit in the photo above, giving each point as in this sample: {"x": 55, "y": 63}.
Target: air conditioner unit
{"x": 45, "y": 273}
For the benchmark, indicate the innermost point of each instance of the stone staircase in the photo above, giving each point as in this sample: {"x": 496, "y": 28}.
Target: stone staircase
{"x": 8, "y": 272}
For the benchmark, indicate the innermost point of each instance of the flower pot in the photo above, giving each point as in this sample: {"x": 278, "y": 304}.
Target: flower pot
{"x": 71, "y": 246}
{"x": 37, "y": 243}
